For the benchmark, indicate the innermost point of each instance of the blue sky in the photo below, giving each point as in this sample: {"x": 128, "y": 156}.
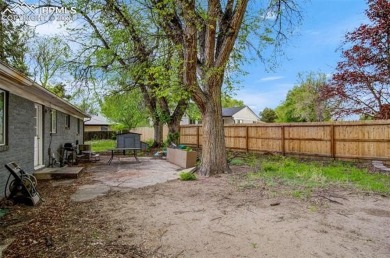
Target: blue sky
{"x": 312, "y": 49}
{"x": 320, "y": 35}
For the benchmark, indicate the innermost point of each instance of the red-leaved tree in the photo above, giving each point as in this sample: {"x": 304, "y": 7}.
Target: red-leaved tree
{"x": 361, "y": 84}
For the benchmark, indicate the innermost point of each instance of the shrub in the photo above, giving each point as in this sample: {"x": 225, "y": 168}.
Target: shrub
{"x": 149, "y": 143}
{"x": 188, "y": 149}
{"x": 187, "y": 176}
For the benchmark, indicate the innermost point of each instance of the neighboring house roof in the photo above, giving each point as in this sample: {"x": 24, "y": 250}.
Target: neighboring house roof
{"x": 227, "y": 112}
{"x": 18, "y": 84}
{"x": 98, "y": 120}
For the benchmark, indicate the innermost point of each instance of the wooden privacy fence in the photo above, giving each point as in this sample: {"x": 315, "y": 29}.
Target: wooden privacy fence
{"x": 147, "y": 133}
{"x": 348, "y": 140}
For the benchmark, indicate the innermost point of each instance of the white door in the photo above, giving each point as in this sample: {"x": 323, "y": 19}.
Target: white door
{"x": 38, "y": 138}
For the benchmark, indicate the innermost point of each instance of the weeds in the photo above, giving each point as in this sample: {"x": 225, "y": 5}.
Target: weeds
{"x": 102, "y": 145}
{"x": 237, "y": 162}
{"x": 187, "y": 176}
{"x": 302, "y": 177}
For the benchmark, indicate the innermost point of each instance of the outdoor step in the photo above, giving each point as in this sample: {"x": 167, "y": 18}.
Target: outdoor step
{"x": 58, "y": 173}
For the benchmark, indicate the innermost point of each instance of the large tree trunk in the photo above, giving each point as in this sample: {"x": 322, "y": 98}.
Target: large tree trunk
{"x": 174, "y": 127}
{"x": 214, "y": 160}
{"x": 158, "y": 133}
{"x": 174, "y": 132}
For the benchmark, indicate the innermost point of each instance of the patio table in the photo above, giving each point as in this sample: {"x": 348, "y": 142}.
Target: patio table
{"x": 124, "y": 152}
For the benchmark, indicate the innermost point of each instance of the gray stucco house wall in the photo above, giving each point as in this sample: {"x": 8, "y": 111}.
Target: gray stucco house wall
{"x": 21, "y": 98}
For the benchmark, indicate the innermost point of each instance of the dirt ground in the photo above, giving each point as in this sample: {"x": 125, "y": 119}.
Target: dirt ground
{"x": 222, "y": 216}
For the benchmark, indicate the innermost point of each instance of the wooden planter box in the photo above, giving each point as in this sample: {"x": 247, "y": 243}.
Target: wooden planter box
{"x": 182, "y": 158}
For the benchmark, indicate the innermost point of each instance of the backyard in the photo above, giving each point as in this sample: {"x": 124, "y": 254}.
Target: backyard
{"x": 269, "y": 206}
{"x": 102, "y": 145}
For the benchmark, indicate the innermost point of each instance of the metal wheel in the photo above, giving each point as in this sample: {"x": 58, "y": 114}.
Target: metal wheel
{"x": 28, "y": 181}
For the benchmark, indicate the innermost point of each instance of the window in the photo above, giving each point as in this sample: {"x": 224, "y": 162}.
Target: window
{"x": 67, "y": 121}
{"x": 3, "y": 117}
{"x": 104, "y": 128}
{"x": 78, "y": 126}
{"x": 53, "y": 128}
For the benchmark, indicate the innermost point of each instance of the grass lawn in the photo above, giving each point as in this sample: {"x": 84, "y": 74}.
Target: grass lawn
{"x": 304, "y": 176}
{"x": 102, "y": 145}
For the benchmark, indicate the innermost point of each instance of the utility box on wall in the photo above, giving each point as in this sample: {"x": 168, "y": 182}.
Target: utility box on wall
{"x": 182, "y": 158}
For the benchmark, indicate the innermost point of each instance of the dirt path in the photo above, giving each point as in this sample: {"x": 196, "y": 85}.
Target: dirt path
{"x": 210, "y": 217}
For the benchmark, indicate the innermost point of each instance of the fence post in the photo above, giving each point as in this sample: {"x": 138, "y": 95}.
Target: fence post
{"x": 247, "y": 138}
{"x": 332, "y": 142}
{"x": 197, "y": 137}
{"x": 283, "y": 141}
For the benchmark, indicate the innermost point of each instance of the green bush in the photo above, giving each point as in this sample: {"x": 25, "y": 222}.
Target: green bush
{"x": 173, "y": 138}
{"x": 187, "y": 176}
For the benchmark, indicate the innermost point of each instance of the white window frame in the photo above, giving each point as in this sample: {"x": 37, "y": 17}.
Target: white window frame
{"x": 53, "y": 119}
{"x": 78, "y": 126}
{"x": 4, "y": 120}
{"x": 67, "y": 121}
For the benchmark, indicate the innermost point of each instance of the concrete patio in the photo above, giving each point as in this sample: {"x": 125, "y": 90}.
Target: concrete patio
{"x": 125, "y": 174}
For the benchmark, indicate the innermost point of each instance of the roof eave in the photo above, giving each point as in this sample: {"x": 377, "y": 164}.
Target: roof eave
{"x": 18, "y": 84}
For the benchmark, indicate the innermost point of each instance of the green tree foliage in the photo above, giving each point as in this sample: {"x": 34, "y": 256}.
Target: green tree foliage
{"x": 228, "y": 102}
{"x": 193, "y": 112}
{"x": 125, "y": 109}
{"x": 48, "y": 58}
{"x": 119, "y": 39}
{"x": 59, "y": 89}
{"x": 304, "y": 102}
{"x": 268, "y": 115}
{"x": 13, "y": 40}
{"x": 88, "y": 106}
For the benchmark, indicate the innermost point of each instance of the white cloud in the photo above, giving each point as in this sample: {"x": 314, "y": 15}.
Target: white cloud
{"x": 257, "y": 100}
{"x": 270, "y": 15}
{"x": 50, "y": 28}
{"x": 270, "y": 78}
